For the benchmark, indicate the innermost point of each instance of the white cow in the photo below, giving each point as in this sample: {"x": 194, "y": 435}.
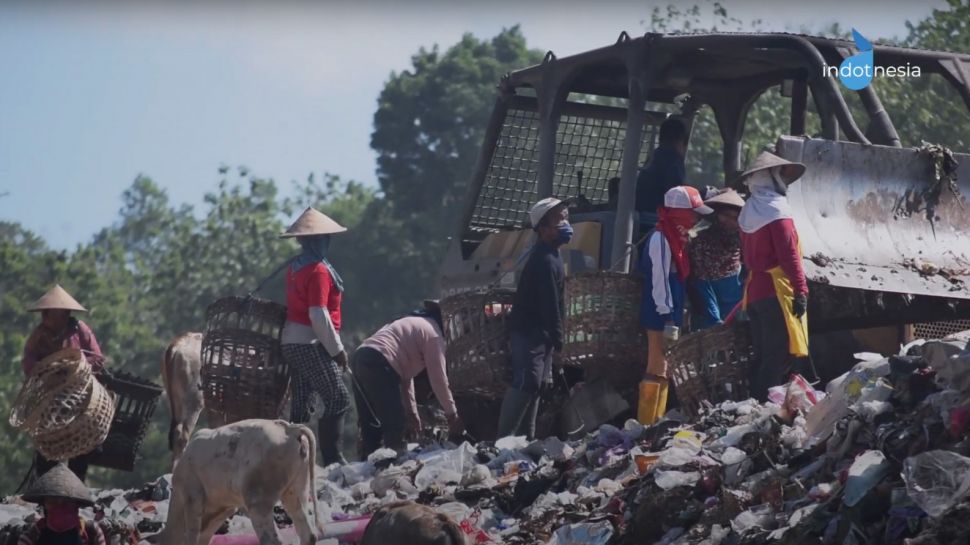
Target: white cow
{"x": 250, "y": 464}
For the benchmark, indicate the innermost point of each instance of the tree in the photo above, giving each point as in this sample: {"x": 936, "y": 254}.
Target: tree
{"x": 428, "y": 130}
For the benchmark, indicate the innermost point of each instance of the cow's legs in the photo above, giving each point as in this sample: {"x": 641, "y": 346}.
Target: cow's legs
{"x": 192, "y": 513}
{"x": 300, "y": 510}
{"x": 261, "y": 514}
{"x": 211, "y": 521}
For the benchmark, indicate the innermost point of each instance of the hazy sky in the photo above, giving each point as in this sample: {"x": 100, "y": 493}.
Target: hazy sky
{"x": 93, "y": 96}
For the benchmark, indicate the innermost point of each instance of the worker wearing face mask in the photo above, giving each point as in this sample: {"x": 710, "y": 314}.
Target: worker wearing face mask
{"x": 536, "y": 322}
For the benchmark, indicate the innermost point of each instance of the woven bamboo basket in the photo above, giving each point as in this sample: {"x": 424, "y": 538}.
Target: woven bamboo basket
{"x": 135, "y": 402}
{"x": 478, "y": 344}
{"x": 56, "y": 376}
{"x": 602, "y": 331}
{"x": 85, "y": 432}
{"x": 62, "y": 407}
{"x": 711, "y": 365}
{"x": 243, "y": 371}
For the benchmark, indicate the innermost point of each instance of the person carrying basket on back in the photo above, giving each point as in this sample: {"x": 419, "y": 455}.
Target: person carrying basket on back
{"x": 311, "y": 336}
{"x": 59, "y": 330}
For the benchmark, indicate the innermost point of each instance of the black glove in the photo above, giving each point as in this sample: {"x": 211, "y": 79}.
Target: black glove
{"x": 800, "y": 304}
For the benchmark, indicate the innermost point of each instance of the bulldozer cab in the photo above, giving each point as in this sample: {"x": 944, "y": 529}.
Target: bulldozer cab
{"x": 882, "y": 227}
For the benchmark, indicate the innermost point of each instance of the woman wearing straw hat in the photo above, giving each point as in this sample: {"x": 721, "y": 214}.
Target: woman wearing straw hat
{"x": 665, "y": 267}
{"x": 56, "y": 331}
{"x": 62, "y": 495}
{"x": 776, "y": 292}
{"x": 311, "y": 335}
{"x": 715, "y": 261}
{"x": 385, "y": 366}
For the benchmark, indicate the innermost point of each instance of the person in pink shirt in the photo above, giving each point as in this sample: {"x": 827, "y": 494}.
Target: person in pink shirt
{"x": 385, "y": 366}
{"x": 56, "y": 331}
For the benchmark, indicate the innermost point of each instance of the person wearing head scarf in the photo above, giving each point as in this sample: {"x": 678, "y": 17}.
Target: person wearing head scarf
{"x": 311, "y": 336}
{"x": 715, "y": 262}
{"x": 62, "y": 495}
{"x": 59, "y": 330}
{"x": 665, "y": 266}
{"x": 385, "y": 366}
{"x": 776, "y": 292}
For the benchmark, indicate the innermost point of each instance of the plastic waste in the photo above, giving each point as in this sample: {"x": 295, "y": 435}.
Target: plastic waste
{"x": 759, "y": 517}
{"x": 717, "y": 535}
{"x": 689, "y": 440}
{"x": 937, "y": 480}
{"x": 677, "y": 456}
{"x": 445, "y": 466}
{"x": 667, "y": 480}
{"x": 381, "y": 455}
{"x": 866, "y": 471}
{"x": 512, "y": 442}
{"x": 597, "y": 533}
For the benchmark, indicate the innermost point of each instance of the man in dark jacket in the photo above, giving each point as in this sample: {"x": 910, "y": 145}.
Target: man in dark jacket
{"x": 536, "y": 323}
{"x": 665, "y": 170}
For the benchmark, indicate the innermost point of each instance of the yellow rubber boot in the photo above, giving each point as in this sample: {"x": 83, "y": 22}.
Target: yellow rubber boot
{"x": 647, "y": 403}
{"x": 662, "y": 397}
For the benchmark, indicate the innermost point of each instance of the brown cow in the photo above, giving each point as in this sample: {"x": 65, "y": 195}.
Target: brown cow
{"x": 251, "y": 464}
{"x": 181, "y": 374}
{"x": 409, "y": 523}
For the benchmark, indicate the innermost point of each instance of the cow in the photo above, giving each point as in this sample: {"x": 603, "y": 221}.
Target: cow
{"x": 409, "y": 523}
{"x": 250, "y": 464}
{"x": 181, "y": 375}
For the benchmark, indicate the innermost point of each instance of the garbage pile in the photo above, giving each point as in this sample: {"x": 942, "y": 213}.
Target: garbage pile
{"x": 882, "y": 456}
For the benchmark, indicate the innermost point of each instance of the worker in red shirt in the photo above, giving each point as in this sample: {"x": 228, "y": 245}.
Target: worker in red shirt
{"x": 311, "y": 336}
{"x": 776, "y": 292}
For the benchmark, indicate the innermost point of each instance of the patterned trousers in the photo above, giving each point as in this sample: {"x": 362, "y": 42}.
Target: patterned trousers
{"x": 313, "y": 371}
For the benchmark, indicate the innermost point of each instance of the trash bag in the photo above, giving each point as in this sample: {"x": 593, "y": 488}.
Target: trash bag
{"x": 937, "y": 480}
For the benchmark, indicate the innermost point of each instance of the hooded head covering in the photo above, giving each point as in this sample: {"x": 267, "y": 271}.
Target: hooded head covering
{"x": 56, "y": 298}
{"x": 768, "y": 201}
{"x": 312, "y": 230}
{"x": 59, "y": 482}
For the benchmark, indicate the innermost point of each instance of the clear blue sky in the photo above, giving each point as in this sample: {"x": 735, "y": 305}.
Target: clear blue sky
{"x": 92, "y": 96}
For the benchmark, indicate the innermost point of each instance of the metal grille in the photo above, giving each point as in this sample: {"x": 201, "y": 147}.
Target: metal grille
{"x": 595, "y": 147}
{"x": 939, "y": 330}
{"x": 510, "y": 182}
{"x": 591, "y": 144}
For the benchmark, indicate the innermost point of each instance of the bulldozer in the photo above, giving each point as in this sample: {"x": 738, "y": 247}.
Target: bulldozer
{"x": 883, "y": 227}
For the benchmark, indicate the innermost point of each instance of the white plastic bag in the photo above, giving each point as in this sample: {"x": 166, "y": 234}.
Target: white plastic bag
{"x": 937, "y": 480}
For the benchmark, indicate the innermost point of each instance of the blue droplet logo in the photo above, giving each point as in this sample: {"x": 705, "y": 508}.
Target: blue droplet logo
{"x": 856, "y": 71}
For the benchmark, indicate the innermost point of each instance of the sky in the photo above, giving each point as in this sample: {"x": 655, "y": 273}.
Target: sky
{"x": 93, "y": 95}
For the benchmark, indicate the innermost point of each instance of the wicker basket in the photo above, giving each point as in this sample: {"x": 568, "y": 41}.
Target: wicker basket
{"x": 59, "y": 375}
{"x": 243, "y": 371}
{"x": 85, "y": 432}
{"x": 135, "y": 401}
{"x": 711, "y": 365}
{"x": 478, "y": 343}
{"x": 602, "y": 330}
{"x": 62, "y": 407}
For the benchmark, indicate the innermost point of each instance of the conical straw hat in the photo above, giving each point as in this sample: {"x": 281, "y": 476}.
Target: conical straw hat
{"x": 313, "y": 222}
{"x": 57, "y": 298}
{"x": 58, "y": 482}
{"x": 727, "y": 197}
{"x": 768, "y": 160}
